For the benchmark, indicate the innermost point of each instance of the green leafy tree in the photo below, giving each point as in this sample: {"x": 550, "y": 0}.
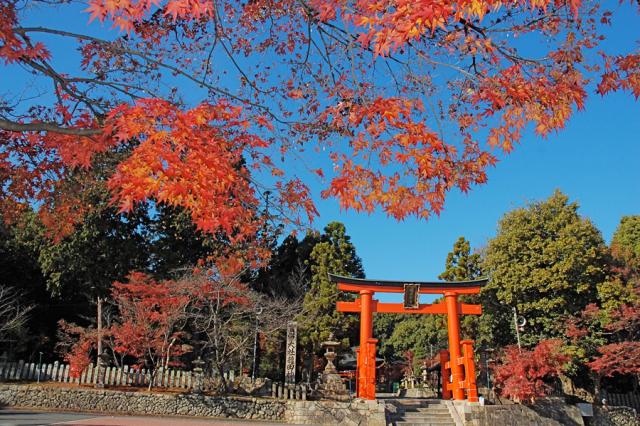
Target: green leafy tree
{"x": 546, "y": 261}
{"x": 423, "y": 335}
{"x": 20, "y": 270}
{"x": 19, "y": 266}
{"x": 101, "y": 250}
{"x": 624, "y": 284}
{"x": 336, "y": 254}
{"x": 63, "y": 277}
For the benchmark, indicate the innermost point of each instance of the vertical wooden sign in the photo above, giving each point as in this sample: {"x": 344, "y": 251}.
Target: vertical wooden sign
{"x": 291, "y": 353}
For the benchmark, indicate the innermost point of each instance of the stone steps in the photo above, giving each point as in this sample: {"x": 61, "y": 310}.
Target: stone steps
{"x": 419, "y": 415}
{"x": 419, "y": 412}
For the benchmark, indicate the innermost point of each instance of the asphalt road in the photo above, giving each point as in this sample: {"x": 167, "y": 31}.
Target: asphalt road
{"x": 37, "y": 418}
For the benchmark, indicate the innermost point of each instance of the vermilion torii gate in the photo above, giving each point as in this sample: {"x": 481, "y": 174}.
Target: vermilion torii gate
{"x": 456, "y": 363}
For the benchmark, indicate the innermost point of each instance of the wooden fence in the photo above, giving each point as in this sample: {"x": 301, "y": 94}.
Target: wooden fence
{"x": 622, "y": 399}
{"x": 129, "y": 376}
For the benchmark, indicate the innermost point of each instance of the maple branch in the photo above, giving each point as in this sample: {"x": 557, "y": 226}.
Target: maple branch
{"x": 443, "y": 64}
{"x": 142, "y": 55}
{"x": 46, "y": 69}
{"x": 241, "y": 71}
{"x": 313, "y": 13}
{"x": 44, "y": 126}
{"x": 306, "y": 56}
{"x": 481, "y": 31}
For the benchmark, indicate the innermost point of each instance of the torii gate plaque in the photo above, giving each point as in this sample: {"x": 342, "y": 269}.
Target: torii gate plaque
{"x": 456, "y": 363}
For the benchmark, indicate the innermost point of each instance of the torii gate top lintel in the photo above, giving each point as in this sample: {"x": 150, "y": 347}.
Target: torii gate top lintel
{"x": 355, "y": 285}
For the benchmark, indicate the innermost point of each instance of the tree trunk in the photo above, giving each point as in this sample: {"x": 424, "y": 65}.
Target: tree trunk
{"x": 223, "y": 381}
{"x": 597, "y": 397}
{"x": 152, "y": 377}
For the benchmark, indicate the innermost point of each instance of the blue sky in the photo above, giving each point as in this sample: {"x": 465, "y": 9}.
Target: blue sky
{"x": 594, "y": 161}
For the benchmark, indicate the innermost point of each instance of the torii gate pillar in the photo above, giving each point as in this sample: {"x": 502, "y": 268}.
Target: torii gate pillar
{"x": 453, "y": 325}
{"x": 367, "y": 354}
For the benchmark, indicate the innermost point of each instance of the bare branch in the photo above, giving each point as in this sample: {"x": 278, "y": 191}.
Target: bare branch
{"x": 13, "y": 314}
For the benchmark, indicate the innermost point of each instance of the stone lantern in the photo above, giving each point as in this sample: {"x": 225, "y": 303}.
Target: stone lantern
{"x": 198, "y": 377}
{"x": 330, "y": 355}
{"x": 330, "y": 384}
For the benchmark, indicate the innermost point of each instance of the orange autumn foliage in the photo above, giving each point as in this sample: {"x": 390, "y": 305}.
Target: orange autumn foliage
{"x": 384, "y": 105}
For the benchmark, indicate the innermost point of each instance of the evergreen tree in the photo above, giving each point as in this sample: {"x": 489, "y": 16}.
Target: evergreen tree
{"x": 288, "y": 273}
{"x": 546, "y": 261}
{"x": 336, "y": 254}
{"x": 461, "y": 265}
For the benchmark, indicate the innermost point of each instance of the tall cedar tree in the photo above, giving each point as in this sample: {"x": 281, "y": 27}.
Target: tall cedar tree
{"x": 336, "y": 254}
{"x": 546, "y": 261}
{"x": 221, "y": 98}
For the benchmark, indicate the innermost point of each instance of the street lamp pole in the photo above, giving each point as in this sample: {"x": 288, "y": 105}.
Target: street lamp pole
{"x": 517, "y": 327}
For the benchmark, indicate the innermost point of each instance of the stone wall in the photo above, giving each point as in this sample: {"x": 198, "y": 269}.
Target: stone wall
{"x": 357, "y": 412}
{"x": 364, "y": 413}
{"x": 83, "y": 399}
{"x": 550, "y": 412}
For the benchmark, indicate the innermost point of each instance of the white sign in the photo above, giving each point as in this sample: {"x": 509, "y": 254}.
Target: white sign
{"x": 292, "y": 349}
